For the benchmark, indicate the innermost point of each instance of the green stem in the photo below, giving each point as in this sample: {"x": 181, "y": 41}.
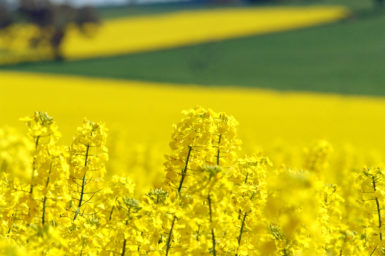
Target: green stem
{"x": 45, "y": 196}
{"x": 375, "y": 248}
{"x": 379, "y": 217}
{"x": 183, "y": 175}
{"x": 184, "y": 171}
{"x": 124, "y": 247}
{"x": 168, "y": 245}
{"x": 212, "y": 229}
{"x": 33, "y": 164}
{"x": 44, "y": 206}
{"x": 83, "y": 184}
{"x": 378, "y": 208}
{"x": 112, "y": 210}
{"x": 241, "y": 232}
{"x": 219, "y": 151}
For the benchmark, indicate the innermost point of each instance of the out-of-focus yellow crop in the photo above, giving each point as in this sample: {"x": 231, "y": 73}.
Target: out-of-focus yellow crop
{"x": 141, "y": 110}
{"x": 126, "y": 35}
{"x": 163, "y": 31}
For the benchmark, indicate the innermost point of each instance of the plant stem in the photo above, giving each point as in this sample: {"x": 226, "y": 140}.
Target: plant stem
{"x": 83, "y": 184}
{"x": 212, "y": 229}
{"x": 184, "y": 171}
{"x": 44, "y": 205}
{"x": 45, "y": 196}
{"x": 219, "y": 151}
{"x": 168, "y": 245}
{"x": 33, "y": 164}
{"x": 378, "y": 208}
{"x": 241, "y": 231}
{"x": 124, "y": 247}
{"x": 112, "y": 210}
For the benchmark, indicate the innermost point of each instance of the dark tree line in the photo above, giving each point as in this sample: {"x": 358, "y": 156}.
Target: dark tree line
{"x": 51, "y": 19}
{"x": 5, "y": 17}
{"x": 380, "y": 3}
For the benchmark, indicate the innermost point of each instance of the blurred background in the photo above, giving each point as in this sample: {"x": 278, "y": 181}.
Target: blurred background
{"x": 292, "y": 70}
{"x": 323, "y": 45}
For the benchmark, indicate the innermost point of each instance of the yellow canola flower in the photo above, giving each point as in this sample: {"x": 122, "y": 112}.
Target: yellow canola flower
{"x": 14, "y": 152}
{"x": 138, "y": 112}
{"x": 229, "y": 204}
{"x": 137, "y": 34}
{"x": 88, "y": 155}
{"x": 127, "y": 35}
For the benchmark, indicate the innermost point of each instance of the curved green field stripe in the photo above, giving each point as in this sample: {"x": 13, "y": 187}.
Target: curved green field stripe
{"x": 132, "y": 10}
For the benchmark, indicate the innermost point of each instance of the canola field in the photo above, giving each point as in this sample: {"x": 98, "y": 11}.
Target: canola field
{"x": 273, "y": 188}
{"x": 118, "y": 167}
{"x": 138, "y": 34}
{"x": 143, "y": 110}
{"x": 213, "y": 198}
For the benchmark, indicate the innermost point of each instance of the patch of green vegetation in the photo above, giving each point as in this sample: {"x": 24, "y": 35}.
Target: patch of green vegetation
{"x": 132, "y": 10}
{"x": 352, "y": 4}
{"x": 345, "y": 57}
{"x": 128, "y": 11}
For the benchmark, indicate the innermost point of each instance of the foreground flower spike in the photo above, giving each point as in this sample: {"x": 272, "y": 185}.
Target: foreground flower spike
{"x": 49, "y": 177}
{"x": 249, "y": 199}
{"x": 191, "y": 145}
{"x": 88, "y": 156}
{"x": 204, "y": 146}
{"x": 43, "y": 130}
{"x": 226, "y": 140}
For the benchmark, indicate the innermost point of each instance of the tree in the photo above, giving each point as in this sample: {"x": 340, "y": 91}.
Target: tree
{"x": 53, "y": 20}
{"x": 379, "y": 3}
{"x": 5, "y": 17}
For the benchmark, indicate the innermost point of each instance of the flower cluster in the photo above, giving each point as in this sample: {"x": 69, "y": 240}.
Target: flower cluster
{"x": 213, "y": 200}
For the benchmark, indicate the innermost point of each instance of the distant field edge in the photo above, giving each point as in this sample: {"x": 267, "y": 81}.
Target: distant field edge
{"x": 164, "y": 31}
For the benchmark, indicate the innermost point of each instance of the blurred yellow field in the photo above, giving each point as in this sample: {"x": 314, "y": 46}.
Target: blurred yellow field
{"x": 190, "y": 27}
{"x": 127, "y": 35}
{"x": 145, "y": 111}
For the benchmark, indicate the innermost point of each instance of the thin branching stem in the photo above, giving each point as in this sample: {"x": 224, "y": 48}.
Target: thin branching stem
{"x": 168, "y": 245}
{"x": 184, "y": 171}
{"x": 219, "y": 151}
{"x": 375, "y": 248}
{"x": 212, "y": 229}
{"x": 44, "y": 207}
{"x": 37, "y": 142}
{"x": 112, "y": 210}
{"x": 183, "y": 175}
{"x": 124, "y": 247}
{"x": 378, "y": 207}
{"x": 45, "y": 196}
{"x": 213, "y": 240}
{"x": 83, "y": 184}
{"x": 34, "y": 164}
{"x": 241, "y": 231}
